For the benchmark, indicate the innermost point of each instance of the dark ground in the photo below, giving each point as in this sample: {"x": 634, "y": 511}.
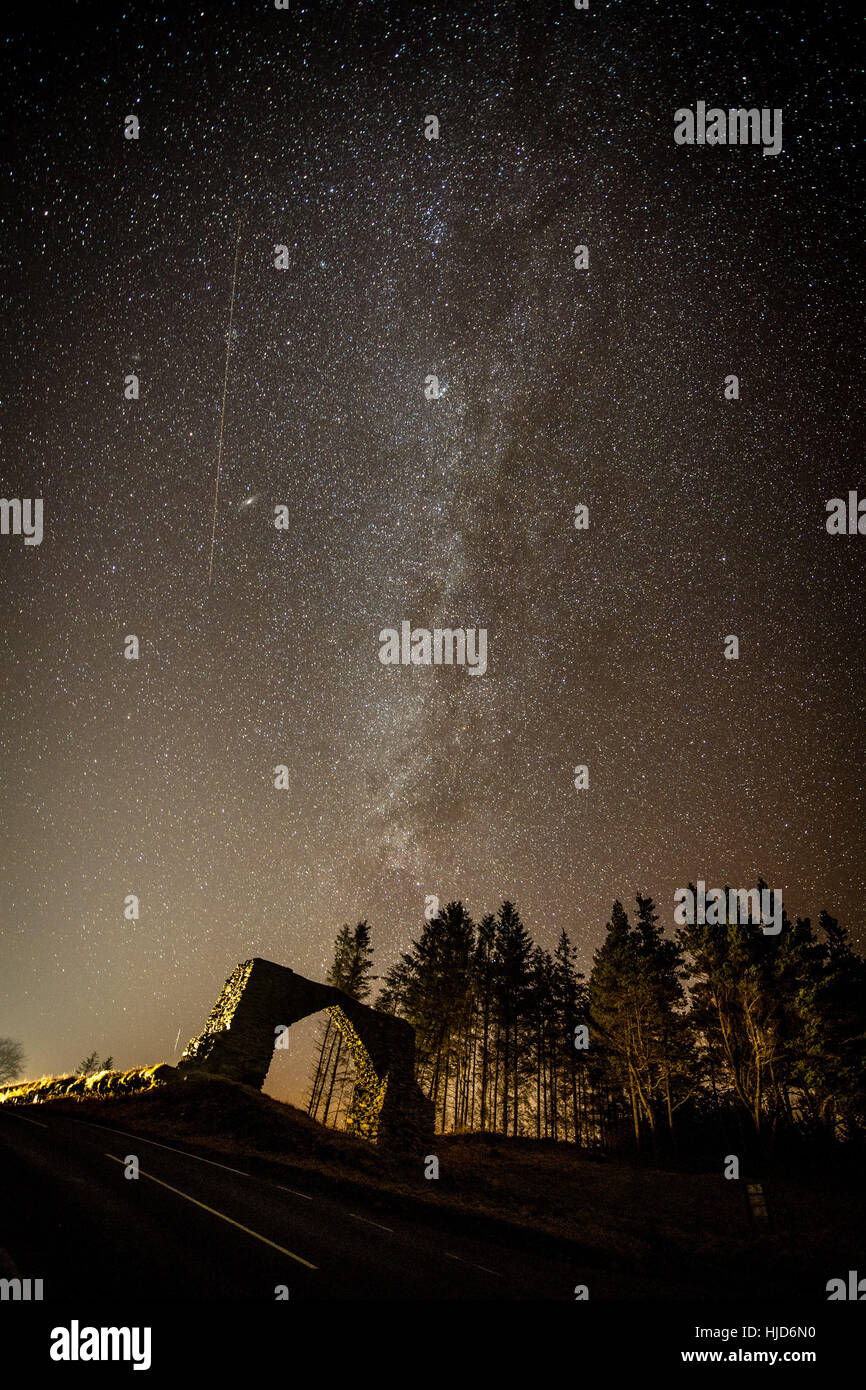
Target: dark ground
{"x": 507, "y": 1218}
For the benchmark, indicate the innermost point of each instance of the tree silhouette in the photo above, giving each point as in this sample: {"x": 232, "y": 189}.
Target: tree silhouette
{"x": 11, "y": 1060}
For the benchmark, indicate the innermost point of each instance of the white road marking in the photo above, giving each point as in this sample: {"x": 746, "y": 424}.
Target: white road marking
{"x": 461, "y": 1260}
{"x": 127, "y": 1134}
{"x": 222, "y": 1216}
{"x": 183, "y": 1153}
{"x": 355, "y": 1217}
{"x": 39, "y": 1123}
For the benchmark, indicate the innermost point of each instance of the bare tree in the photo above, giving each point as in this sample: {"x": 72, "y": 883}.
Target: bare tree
{"x": 11, "y": 1060}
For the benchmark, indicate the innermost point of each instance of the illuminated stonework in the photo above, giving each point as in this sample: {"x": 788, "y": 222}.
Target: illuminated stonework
{"x": 237, "y": 1041}
{"x": 369, "y": 1093}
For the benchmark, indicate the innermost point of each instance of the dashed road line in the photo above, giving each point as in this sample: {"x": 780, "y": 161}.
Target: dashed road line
{"x": 184, "y": 1153}
{"x": 38, "y": 1123}
{"x": 355, "y": 1217}
{"x": 168, "y": 1147}
{"x": 460, "y": 1259}
{"x": 222, "y": 1216}
{"x": 212, "y": 1163}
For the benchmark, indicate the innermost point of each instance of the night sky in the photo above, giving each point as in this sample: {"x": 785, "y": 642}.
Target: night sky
{"x": 410, "y": 257}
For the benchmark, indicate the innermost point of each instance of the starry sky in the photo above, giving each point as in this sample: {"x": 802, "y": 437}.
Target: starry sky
{"x": 410, "y": 257}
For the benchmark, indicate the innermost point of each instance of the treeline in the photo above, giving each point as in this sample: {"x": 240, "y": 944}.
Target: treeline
{"x": 713, "y": 1025}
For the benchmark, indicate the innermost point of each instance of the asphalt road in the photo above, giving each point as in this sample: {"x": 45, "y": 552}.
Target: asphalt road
{"x": 190, "y": 1228}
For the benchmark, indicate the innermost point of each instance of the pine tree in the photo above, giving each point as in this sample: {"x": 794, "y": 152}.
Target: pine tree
{"x": 432, "y": 986}
{"x": 569, "y": 1078}
{"x": 512, "y": 987}
{"x": 737, "y": 1004}
{"x": 829, "y": 1073}
{"x": 636, "y": 1009}
{"x": 483, "y": 975}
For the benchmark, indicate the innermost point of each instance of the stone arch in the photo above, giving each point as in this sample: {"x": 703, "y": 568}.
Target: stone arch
{"x": 238, "y": 1039}
{"x": 370, "y": 1090}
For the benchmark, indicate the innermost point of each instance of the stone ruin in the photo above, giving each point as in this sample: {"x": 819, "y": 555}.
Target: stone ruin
{"x": 259, "y": 997}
